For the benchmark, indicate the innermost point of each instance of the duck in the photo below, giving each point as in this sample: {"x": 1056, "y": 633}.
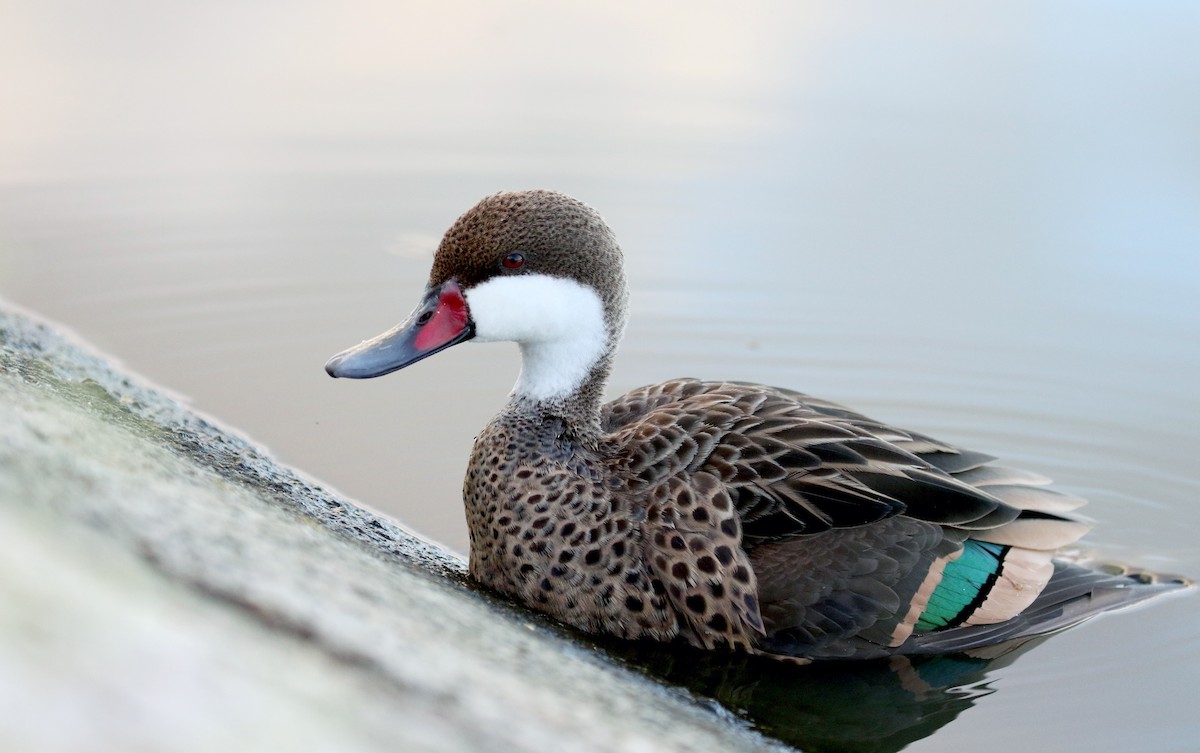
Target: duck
{"x": 722, "y": 515}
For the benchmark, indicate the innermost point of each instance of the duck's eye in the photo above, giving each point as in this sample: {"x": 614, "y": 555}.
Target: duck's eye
{"x": 513, "y": 261}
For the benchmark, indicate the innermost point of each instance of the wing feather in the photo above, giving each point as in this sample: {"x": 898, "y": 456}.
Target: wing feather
{"x": 796, "y": 465}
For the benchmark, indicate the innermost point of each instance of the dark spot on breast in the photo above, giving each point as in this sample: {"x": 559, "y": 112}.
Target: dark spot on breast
{"x": 618, "y": 548}
{"x": 696, "y": 603}
{"x": 717, "y": 590}
{"x": 657, "y": 587}
{"x": 566, "y": 556}
{"x": 700, "y": 515}
{"x": 546, "y": 585}
{"x": 567, "y": 529}
{"x": 677, "y": 543}
{"x": 724, "y": 554}
{"x": 538, "y": 547}
{"x": 718, "y": 622}
{"x": 741, "y": 574}
{"x": 680, "y": 570}
{"x": 634, "y": 604}
{"x": 592, "y": 557}
{"x": 524, "y": 473}
{"x": 535, "y": 499}
{"x": 518, "y": 550}
{"x": 729, "y": 527}
{"x": 707, "y": 564}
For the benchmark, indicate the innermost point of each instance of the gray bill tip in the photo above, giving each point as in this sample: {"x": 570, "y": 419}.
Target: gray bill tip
{"x": 331, "y": 366}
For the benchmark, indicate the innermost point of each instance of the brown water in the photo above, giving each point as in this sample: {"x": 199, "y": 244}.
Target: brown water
{"x": 984, "y": 225}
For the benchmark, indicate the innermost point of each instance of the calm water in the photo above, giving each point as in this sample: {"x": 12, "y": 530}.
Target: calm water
{"x": 984, "y": 225}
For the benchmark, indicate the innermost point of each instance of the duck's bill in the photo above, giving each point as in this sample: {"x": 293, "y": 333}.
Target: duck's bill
{"x": 440, "y": 321}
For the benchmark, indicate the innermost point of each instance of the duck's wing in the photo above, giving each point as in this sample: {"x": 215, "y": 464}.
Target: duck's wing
{"x": 796, "y": 465}
{"x": 859, "y": 537}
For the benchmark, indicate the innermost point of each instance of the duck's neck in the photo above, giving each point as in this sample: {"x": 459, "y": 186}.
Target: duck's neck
{"x": 568, "y": 333}
{"x": 566, "y": 381}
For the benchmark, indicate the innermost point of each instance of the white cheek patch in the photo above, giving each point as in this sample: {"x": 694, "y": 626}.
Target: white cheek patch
{"x": 558, "y": 323}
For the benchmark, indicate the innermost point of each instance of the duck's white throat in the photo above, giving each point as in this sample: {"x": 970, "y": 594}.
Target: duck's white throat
{"x": 558, "y": 323}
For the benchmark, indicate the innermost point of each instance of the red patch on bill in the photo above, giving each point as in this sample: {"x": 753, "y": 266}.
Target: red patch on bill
{"x": 449, "y": 319}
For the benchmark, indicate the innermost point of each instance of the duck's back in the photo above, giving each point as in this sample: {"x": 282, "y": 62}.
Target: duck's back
{"x": 863, "y": 539}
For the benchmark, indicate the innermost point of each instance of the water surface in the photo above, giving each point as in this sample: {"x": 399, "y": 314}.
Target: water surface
{"x": 983, "y": 225}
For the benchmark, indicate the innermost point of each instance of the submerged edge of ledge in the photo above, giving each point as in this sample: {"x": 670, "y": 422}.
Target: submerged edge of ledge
{"x": 159, "y": 567}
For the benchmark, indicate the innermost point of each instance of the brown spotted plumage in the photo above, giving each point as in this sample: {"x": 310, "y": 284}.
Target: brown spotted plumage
{"x": 727, "y": 515}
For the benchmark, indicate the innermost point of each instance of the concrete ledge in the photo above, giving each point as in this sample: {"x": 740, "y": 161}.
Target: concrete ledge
{"x": 165, "y": 585}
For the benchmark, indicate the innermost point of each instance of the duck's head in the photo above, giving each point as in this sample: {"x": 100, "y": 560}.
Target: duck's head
{"x": 538, "y": 268}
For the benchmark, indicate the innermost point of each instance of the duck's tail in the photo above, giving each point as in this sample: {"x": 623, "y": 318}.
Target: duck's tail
{"x": 1076, "y": 591}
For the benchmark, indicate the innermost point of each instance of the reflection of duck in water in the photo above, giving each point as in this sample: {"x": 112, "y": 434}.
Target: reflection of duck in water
{"x": 722, "y": 514}
{"x": 873, "y": 706}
